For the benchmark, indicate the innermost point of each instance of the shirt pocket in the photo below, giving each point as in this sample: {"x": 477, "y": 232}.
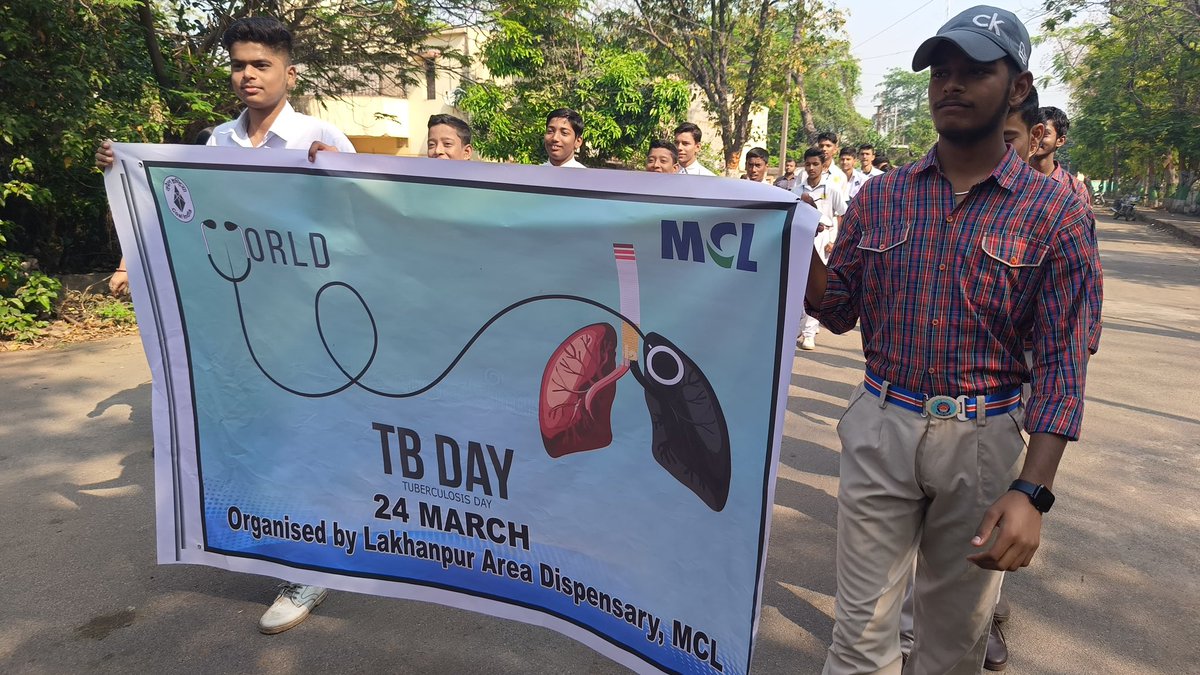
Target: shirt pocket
{"x": 884, "y": 239}
{"x": 883, "y": 252}
{"x": 1014, "y": 252}
{"x": 1006, "y": 274}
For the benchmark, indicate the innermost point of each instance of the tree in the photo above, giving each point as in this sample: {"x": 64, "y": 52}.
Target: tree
{"x": 722, "y": 47}
{"x": 903, "y": 100}
{"x": 550, "y": 58}
{"x": 819, "y": 74}
{"x": 74, "y": 73}
{"x": 342, "y": 44}
{"x": 1134, "y": 75}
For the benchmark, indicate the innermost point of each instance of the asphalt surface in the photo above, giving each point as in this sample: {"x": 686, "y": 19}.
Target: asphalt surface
{"x": 1114, "y": 588}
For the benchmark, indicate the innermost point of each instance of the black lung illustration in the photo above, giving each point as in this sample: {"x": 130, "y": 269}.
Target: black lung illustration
{"x": 690, "y": 438}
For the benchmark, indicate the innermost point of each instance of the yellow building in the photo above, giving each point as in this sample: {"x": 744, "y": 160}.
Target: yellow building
{"x": 390, "y": 119}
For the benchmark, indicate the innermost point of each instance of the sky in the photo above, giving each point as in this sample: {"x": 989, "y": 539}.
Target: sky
{"x": 884, "y": 35}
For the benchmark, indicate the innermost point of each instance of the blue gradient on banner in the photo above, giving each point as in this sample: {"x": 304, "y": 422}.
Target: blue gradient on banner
{"x": 432, "y": 264}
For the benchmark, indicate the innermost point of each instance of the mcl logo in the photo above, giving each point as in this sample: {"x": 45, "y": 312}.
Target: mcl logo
{"x": 686, "y": 243}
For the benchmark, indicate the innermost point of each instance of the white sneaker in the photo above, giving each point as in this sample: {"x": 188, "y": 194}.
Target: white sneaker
{"x": 292, "y": 606}
{"x": 808, "y": 343}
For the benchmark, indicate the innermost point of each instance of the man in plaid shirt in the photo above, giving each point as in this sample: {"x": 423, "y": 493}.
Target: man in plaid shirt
{"x": 949, "y": 263}
{"x": 1054, "y": 135}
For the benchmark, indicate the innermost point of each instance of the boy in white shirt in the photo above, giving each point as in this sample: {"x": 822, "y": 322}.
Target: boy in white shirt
{"x": 854, "y": 178}
{"x": 687, "y": 140}
{"x": 827, "y": 143}
{"x": 866, "y": 157}
{"x": 563, "y": 138}
{"x": 261, "y": 73}
{"x": 831, "y": 201}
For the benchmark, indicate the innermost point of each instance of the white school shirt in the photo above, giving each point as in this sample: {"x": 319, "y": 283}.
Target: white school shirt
{"x": 874, "y": 172}
{"x": 290, "y": 131}
{"x": 834, "y": 175}
{"x": 855, "y": 182}
{"x": 569, "y": 164}
{"x": 830, "y": 199}
{"x": 695, "y": 169}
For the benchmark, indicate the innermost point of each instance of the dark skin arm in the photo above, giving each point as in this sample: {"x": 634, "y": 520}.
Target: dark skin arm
{"x": 318, "y": 146}
{"x": 818, "y": 277}
{"x": 1017, "y": 524}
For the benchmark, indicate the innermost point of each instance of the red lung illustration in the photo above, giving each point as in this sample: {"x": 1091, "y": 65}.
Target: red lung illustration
{"x": 579, "y": 364}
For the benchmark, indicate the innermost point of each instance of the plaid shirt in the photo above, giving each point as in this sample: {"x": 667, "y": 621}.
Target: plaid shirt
{"x": 947, "y": 294}
{"x": 1095, "y": 300}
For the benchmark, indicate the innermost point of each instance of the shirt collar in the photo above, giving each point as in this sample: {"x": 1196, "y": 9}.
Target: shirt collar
{"x": 284, "y": 126}
{"x": 1005, "y": 173}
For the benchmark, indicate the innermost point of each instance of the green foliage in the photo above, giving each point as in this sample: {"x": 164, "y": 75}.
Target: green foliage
{"x": 552, "y": 60}
{"x": 116, "y": 311}
{"x": 512, "y": 50}
{"x": 26, "y": 298}
{"x": 69, "y": 76}
{"x": 75, "y": 73}
{"x": 1135, "y": 85}
{"x": 721, "y": 48}
{"x": 904, "y": 96}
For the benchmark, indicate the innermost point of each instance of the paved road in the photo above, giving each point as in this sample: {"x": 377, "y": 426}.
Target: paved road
{"x": 1114, "y": 590}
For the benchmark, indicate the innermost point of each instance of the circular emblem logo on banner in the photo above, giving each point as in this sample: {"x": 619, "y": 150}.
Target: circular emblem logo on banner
{"x": 179, "y": 199}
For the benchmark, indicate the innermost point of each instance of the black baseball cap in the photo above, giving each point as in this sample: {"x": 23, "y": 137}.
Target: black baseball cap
{"x": 984, "y": 33}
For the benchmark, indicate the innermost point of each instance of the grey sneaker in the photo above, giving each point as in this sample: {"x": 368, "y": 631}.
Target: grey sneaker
{"x": 292, "y": 606}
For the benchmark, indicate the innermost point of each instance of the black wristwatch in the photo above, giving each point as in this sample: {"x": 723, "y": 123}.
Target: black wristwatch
{"x": 1041, "y": 496}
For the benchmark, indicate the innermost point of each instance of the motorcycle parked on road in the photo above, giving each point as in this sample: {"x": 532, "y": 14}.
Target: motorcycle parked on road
{"x": 1123, "y": 208}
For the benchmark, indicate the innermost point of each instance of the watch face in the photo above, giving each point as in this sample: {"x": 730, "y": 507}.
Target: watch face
{"x": 1041, "y": 498}
{"x": 1044, "y": 499}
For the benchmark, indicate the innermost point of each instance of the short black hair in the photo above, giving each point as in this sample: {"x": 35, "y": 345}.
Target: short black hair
{"x": 827, "y": 136}
{"x": 760, "y": 153}
{"x": 203, "y": 135}
{"x": 262, "y": 30}
{"x": 1058, "y": 118}
{"x": 848, "y": 151}
{"x": 665, "y": 145}
{"x": 688, "y": 128}
{"x": 1031, "y": 112}
{"x": 462, "y": 128}
{"x": 866, "y": 146}
{"x": 814, "y": 152}
{"x": 790, "y": 159}
{"x": 573, "y": 118}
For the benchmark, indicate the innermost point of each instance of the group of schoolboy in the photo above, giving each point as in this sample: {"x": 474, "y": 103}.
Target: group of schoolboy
{"x": 972, "y": 273}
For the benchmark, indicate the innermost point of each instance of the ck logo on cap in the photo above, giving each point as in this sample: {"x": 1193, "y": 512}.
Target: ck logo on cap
{"x": 991, "y": 23}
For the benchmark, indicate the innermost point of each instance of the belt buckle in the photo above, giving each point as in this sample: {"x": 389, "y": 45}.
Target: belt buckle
{"x": 947, "y": 407}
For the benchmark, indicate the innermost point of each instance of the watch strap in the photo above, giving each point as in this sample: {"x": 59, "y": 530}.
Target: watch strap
{"x": 1039, "y": 495}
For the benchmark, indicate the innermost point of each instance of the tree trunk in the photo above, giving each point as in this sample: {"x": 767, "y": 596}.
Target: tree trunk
{"x": 810, "y": 128}
{"x": 146, "y": 17}
{"x": 796, "y": 77}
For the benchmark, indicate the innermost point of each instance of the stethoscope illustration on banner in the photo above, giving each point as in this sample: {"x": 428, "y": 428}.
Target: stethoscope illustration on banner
{"x": 689, "y": 435}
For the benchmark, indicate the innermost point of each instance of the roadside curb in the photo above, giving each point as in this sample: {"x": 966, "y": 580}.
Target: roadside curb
{"x": 1188, "y": 235}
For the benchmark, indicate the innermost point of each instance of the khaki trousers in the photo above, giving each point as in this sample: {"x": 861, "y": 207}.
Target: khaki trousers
{"x": 916, "y": 487}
